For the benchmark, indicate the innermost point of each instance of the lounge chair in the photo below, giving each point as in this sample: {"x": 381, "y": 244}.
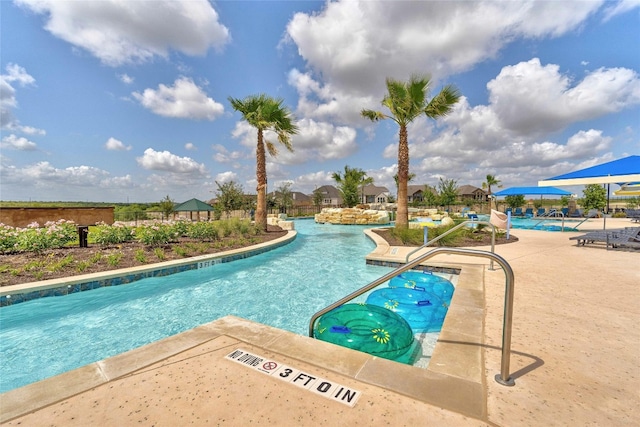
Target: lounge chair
{"x": 565, "y": 211}
{"x": 529, "y": 212}
{"x": 541, "y": 211}
{"x": 509, "y": 210}
{"x": 518, "y": 212}
{"x": 633, "y": 214}
{"x": 629, "y": 236}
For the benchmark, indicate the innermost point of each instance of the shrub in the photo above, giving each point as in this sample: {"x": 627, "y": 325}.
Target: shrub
{"x": 53, "y": 235}
{"x": 113, "y": 259}
{"x": 8, "y": 238}
{"x": 140, "y": 256}
{"x": 104, "y": 234}
{"x": 203, "y": 231}
{"x": 159, "y": 253}
{"x": 156, "y": 235}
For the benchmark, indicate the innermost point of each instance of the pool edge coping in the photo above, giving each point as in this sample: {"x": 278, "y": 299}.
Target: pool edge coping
{"x": 65, "y": 282}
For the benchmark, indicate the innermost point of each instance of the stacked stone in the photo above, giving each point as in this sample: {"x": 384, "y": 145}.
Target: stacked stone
{"x": 352, "y": 216}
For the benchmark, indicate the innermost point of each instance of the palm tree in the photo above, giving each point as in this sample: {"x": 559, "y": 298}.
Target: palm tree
{"x": 265, "y": 113}
{"x": 348, "y": 183}
{"x": 406, "y": 101}
{"x": 490, "y": 180}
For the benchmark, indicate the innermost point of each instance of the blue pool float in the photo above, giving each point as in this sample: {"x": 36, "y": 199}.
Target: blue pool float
{"x": 424, "y": 311}
{"x": 370, "y": 329}
{"x": 424, "y": 281}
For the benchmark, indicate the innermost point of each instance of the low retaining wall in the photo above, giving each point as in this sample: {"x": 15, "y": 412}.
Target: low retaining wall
{"x": 21, "y": 217}
{"x": 352, "y": 216}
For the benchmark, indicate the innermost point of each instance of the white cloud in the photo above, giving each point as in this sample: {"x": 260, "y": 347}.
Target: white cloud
{"x": 119, "y": 32}
{"x": 168, "y": 162}
{"x": 531, "y": 98}
{"x": 315, "y": 140}
{"x": 618, "y": 8}
{"x": 126, "y": 79}
{"x": 14, "y": 74}
{"x": 190, "y": 146}
{"x": 355, "y": 45}
{"x": 223, "y": 155}
{"x": 113, "y": 144}
{"x": 18, "y": 143}
{"x": 226, "y": 177}
{"x": 183, "y": 100}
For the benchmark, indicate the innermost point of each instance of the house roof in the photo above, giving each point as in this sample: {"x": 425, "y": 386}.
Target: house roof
{"x": 373, "y": 190}
{"x": 330, "y": 191}
{"x": 468, "y": 189}
{"x": 193, "y": 205}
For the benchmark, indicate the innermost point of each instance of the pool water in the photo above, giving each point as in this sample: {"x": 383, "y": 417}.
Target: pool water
{"x": 282, "y": 288}
{"x": 543, "y": 224}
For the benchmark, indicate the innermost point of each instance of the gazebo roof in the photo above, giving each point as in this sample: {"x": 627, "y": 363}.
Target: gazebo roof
{"x": 193, "y": 205}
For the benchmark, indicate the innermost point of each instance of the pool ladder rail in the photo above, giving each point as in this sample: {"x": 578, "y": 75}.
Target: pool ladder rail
{"x": 507, "y": 324}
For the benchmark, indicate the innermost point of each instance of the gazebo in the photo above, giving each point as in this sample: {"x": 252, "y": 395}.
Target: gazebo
{"x": 194, "y": 205}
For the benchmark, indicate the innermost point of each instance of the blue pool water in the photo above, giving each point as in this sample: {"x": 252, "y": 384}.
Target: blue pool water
{"x": 543, "y": 224}
{"x": 282, "y": 288}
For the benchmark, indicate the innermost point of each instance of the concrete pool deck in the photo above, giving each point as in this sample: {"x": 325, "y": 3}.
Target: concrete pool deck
{"x": 575, "y": 359}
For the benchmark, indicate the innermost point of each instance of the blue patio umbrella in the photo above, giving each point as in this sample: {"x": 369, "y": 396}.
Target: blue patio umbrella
{"x": 622, "y": 170}
{"x": 626, "y": 169}
{"x": 542, "y": 191}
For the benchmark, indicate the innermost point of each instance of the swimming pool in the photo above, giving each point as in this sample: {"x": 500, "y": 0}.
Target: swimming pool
{"x": 281, "y": 288}
{"x": 543, "y": 224}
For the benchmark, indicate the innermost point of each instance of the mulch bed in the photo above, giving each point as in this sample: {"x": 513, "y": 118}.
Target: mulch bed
{"x": 12, "y": 266}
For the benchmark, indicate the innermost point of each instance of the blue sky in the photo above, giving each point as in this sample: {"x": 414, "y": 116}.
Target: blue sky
{"x": 120, "y": 101}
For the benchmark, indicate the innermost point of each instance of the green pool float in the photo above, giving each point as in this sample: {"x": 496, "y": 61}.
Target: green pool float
{"x": 368, "y": 328}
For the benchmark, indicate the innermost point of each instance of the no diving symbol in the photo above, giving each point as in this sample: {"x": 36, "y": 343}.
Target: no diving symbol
{"x": 270, "y": 366}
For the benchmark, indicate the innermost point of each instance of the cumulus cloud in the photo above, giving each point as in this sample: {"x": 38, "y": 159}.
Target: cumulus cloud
{"x": 183, "y": 100}
{"x": 113, "y": 144}
{"x": 531, "y": 98}
{"x": 223, "y": 155}
{"x": 354, "y": 45}
{"x": 190, "y": 146}
{"x": 314, "y": 141}
{"x": 44, "y": 174}
{"x": 18, "y": 143}
{"x": 119, "y": 32}
{"x": 226, "y": 177}
{"x": 15, "y": 74}
{"x": 168, "y": 162}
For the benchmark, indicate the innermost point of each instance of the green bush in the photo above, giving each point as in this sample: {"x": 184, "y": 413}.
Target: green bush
{"x": 156, "y": 234}
{"x": 104, "y": 234}
{"x": 34, "y": 238}
{"x": 203, "y": 231}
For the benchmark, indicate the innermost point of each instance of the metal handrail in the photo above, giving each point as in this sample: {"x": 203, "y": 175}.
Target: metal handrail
{"x": 507, "y": 322}
{"x": 547, "y": 216}
{"x": 493, "y": 238}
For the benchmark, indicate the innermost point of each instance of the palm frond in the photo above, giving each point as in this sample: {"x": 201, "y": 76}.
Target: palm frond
{"x": 271, "y": 148}
{"x": 442, "y": 104}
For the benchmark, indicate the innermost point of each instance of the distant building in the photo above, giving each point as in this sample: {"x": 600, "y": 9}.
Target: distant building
{"x": 415, "y": 193}
{"x": 471, "y": 192}
{"x": 371, "y": 194}
{"x": 330, "y": 195}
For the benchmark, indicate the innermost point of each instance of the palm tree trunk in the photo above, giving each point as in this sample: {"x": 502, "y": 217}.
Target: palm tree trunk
{"x": 402, "y": 217}
{"x": 261, "y": 189}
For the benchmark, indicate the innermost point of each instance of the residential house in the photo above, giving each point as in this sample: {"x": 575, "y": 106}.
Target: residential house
{"x": 471, "y": 192}
{"x": 331, "y": 195}
{"x": 299, "y": 199}
{"x": 371, "y": 194}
